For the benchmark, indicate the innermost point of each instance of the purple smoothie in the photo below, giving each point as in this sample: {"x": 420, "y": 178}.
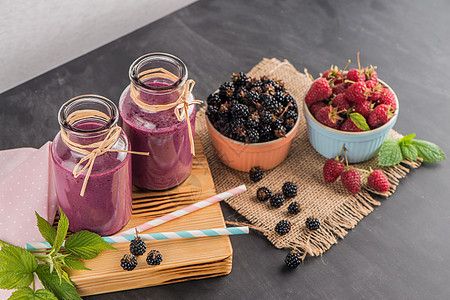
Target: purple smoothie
{"x": 106, "y": 205}
{"x": 160, "y": 134}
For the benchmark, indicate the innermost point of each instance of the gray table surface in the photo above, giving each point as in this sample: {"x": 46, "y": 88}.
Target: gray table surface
{"x": 401, "y": 250}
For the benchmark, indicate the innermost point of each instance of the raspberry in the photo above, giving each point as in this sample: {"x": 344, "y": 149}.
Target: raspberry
{"x": 263, "y": 194}
{"x": 379, "y": 116}
{"x": 277, "y": 200}
{"x": 329, "y": 116}
{"x": 319, "y": 90}
{"x": 378, "y": 181}
{"x": 351, "y": 180}
{"x": 128, "y": 262}
{"x": 283, "y": 227}
{"x": 294, "y": 208}
{"x": 314, "y": 108}
{"x": 341, "y": 102}
{"x": 363, "y": 108}
{"x": 340, "y": 88}
{"x": 289, "y": 189}
{"x": 293, "y": 260}
{"x": 256, "y": 174}
{"x": 312, "y": 223}
{"x": 356, "y": 75}
{"x": 371, "y": 74}
{"x": 137, "y": 246}
{"x": 357, "y": 92}
{"x": 332, "y": 169}
{"x": 370, "y": 84}
{"x": 154, "y": 257}
{"x": 387, "y": 97}
{"x": 349, "y": 126}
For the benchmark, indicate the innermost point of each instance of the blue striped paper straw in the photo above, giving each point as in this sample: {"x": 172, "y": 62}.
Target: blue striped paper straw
{"x": 158, "y": 236}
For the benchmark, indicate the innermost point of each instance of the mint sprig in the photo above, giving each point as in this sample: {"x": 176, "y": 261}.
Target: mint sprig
{"x": 393, "y": 151}
{"x": 18, "y": 265}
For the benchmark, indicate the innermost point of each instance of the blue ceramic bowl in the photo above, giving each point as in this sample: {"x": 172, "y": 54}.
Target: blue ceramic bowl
{"x": 360, "y": 146}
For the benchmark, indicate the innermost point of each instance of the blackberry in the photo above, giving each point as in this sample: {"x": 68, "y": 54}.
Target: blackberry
{"x": 239, "y": 79}
{"x": 277, "y": 200}
{"x": 137, "y": 246}
{"x": 269, "y": 102}
{"x": 293, "y": 260}
{"x": 312, "y": 223}
{"x": 252, "y": 123}
{"x": 294, "y": 208}
{"x": 154, "y": 257}
{"x": 252, "y": 96}
{"x": 266, "y": 118}
{"x": 283, "y": 227}
{"x": 252, "y": 136}
{"x": 212, "y": 113}
{"x": 279, "y": 96}
{"x": 213, "y": 100}
{"x": 263, "y": 194}
{"x": 289, "y": 190}
{"x": 265, "y": 134}
{"x": 239, "y": 111}
{"x": 278, "y": 129}
{"x": 128, "y": 262}
{"x": 226, "y": 91}
{"x": 256, "y": 174}
{"x": 290, "y": 117}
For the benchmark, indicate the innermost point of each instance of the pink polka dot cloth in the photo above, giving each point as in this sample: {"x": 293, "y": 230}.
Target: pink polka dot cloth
{"x": 25, "y": 187}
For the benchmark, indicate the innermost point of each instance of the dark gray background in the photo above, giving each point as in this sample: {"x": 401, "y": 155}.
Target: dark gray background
{"x": 400, "y": 251}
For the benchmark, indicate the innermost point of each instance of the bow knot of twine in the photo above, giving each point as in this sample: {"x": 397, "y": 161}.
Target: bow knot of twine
{"x": 99, "y": 148}
{"x": 180, "y": 106}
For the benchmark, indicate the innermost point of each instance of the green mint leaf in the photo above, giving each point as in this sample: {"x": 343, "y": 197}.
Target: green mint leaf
{"x": 428, "y": 151}
{"x": 390, "y": 153}
{"x": 74, "y": 263}
{"x": 16, "y": 267}
{"x": 407, "y": 138}
{"x": 359, "y": 121}
{"x": 61, "y": 232}
{"x": 48, "y": 232}
{"x": 409, "y": 151}
{"x": 28, "y": 294}
{"x": 86, "y": 244}
{"x": 65, "y": 290}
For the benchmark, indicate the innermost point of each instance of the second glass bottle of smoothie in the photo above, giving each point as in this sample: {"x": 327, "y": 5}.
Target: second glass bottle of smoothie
{"x": 159, "y": 133}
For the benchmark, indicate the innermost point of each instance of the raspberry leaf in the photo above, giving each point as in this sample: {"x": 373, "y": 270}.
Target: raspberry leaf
{"x": 428, "y": 151}
{"x": 359, "y": 121}
{"x": 16, "y": 266}
{"x": 409, "y": 151}
{"x": 61, "y": 232}
{"x": 51, "y": 282}
{"x": 28, "y": 293}
{"x": 390, "y": 153}
{"x": 48, "y": 232}
{"x": 74, "y": 263}
{"x": 86, "y": 245}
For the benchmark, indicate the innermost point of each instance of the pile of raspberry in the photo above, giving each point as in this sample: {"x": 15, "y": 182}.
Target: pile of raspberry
{"x": 351, "y": 101}
{"x": 252, "y": 110}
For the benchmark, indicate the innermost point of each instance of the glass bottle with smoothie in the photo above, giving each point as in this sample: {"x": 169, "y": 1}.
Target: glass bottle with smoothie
{"x": 102, "y": 202}
{"x": 158, "y": 79}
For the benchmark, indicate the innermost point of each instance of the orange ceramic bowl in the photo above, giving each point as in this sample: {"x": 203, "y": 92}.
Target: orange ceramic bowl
{"x": 242, "y": 157}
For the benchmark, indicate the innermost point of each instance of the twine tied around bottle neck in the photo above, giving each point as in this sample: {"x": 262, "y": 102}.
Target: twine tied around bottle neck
{"x": 180, "y": 106}
{"x": 92, "y": 151}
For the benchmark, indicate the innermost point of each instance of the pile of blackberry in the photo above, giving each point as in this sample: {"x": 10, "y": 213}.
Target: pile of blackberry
{"x": 252, "y": 110}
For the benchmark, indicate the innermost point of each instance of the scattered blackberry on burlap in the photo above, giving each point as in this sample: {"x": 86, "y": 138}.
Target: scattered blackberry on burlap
{"x": 154, "y": 257}
{"x": 293, "y": 259}
{"x": 312, "y": 223}
{"x": 128, "y": 262}
{"x": 137, "y": 245}
{"x": 263, "y": 194}
{"x": 283, "y": 227}
{"x": 289, "y": 189}
{"x": 294, "y": 208}
{"x": 256, "y": 174}
{"x": 277, "y": 200}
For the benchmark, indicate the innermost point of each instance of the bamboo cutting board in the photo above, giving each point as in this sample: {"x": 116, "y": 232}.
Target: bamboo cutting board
{"x": 184, "y": 259}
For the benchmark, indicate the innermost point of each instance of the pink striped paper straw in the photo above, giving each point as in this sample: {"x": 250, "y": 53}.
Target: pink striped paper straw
{"x": 186, "y": 210}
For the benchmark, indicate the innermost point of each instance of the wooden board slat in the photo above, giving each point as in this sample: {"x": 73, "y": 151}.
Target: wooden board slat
{"x": 184, "y": 259}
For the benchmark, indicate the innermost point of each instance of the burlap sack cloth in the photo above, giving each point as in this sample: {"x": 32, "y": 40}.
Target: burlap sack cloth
{"x": 337, "y": 209}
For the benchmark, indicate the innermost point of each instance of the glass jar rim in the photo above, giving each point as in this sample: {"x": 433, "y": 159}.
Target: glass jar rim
{"x": 133, "y": 72}
{"x": 71, "y": 105}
